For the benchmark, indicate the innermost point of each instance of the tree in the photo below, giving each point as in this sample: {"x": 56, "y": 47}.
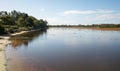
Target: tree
{"x": 43, "y": 23}
{"x": 15, "y": 21}
{"x": 2, "y": 30}
{"x": 21, "y": 22}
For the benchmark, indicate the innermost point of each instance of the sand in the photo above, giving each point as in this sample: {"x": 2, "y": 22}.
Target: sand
{"x": 3, "y": 42}
{"x": 18, "y": 33}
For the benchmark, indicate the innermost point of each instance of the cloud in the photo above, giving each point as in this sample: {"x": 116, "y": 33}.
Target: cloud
{"x": 52, "y": 20}
{"x": 98, "y": 11}
{"x": 84, "y": 17}
{"x": 113, "y": 18}
{"x": 108, "y": 16}
{"x": 42, "y": 10}
{"x": 58, "y": 20}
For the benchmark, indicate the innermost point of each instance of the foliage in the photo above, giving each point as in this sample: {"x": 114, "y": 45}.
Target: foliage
{"x": 2, "y": 30}
{"x": 105, "y": 25}
{"x": 17, "y": 21}
{"x": 93, "y": 25}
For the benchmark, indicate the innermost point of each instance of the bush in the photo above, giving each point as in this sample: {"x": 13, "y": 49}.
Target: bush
{"x": 23, "y": 29}
{"x": 2, "y": 30}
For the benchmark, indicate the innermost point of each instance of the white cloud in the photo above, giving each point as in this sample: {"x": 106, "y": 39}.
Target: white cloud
{"x": 59, "y": 21}
{"x": 52, "y": 20}
{"x": 98, "y": 11}
{"x": 42, "y": 10}
{"x": 108, "y": 16}
{"x": 85, "y": 17}
{"x": 77, "y": 12}
{"x": 104, "y": 17}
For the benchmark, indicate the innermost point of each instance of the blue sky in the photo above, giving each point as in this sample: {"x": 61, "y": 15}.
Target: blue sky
{"x": 67, "y": 11}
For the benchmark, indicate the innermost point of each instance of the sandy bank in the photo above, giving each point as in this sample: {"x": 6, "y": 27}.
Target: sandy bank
{"x": 4, "y": 40}
{"x": 3, "y": 43}
{"x": 18, "y": 33}
{"x": 22, "y": 32}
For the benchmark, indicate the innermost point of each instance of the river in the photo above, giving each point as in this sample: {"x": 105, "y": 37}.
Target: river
{"x": 65, "y": 49}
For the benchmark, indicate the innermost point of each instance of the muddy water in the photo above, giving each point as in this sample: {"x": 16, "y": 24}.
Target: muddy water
{"x": 65, "y": 49}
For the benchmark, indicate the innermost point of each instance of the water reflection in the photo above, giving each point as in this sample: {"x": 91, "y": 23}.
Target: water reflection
{"x": 65, "y": 49}
{"x": 26, "y": 38}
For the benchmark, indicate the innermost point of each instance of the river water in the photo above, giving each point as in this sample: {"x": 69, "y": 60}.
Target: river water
{"x": 65, "y": 49}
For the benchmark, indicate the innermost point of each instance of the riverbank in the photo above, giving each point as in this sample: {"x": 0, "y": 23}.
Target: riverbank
{"x": 4, "y": 41}
{"x": 95, "y": 28}
{"x": 99, "y": 28}
{"x": 91, "y": 28}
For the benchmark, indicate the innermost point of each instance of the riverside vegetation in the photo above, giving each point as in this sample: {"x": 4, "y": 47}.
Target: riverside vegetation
{"x": 90, "y": 26}
{"x": 16, "y": 21}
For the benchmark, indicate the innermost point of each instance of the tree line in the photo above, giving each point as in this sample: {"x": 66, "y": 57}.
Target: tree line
{"x": 16, "y": 21}
{"x": 102, "y": 25}
{"x": 92, "y": 26}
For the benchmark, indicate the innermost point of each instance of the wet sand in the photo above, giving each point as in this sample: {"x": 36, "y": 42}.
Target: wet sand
{"x": 4, "y": 41}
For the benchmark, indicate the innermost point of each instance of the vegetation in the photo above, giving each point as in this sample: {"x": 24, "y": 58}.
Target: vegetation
{"x": 2, "y": 31}
{"x": 15, "y": 21}
{"x": 92, "y": 26}
{"x": 103, "y": 25}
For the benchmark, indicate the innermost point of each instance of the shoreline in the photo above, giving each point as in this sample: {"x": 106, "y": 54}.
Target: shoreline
{"x": 99, "y": 28}
{"x": 3, "y": 62}
{"x": 4, "y": 41}
{"x": 92, "y": 28}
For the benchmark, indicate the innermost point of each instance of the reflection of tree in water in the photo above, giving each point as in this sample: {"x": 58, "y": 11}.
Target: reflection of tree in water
{"x": 25, "y": 38}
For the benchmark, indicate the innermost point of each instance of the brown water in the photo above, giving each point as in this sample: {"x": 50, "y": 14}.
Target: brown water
{"x": 65, "y": 49}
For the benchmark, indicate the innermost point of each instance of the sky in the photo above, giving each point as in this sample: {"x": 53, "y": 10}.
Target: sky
{"x": 70, "y": 12}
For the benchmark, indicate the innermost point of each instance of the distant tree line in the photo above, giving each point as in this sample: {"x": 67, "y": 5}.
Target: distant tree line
{"x": 92, "y": 26}
{"x": 102, "y": 25}
{"x": 15, "y": 21}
